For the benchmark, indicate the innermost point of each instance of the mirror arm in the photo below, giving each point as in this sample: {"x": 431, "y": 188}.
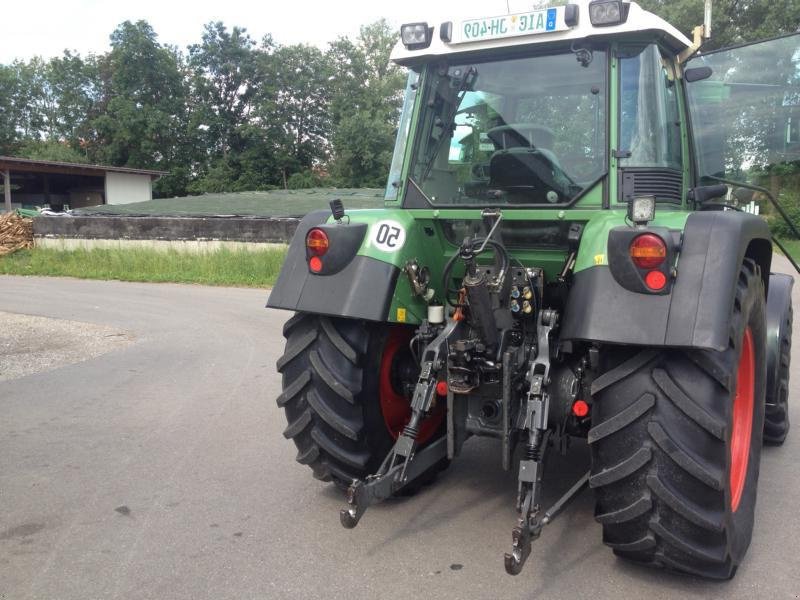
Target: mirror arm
{"x": 698, "y": 33}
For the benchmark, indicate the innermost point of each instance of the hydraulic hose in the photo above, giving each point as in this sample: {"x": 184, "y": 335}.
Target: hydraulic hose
{"x": 472, "y": 246}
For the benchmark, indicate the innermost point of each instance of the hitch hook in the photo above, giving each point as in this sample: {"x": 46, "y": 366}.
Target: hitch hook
{"x": 529, "y": 530}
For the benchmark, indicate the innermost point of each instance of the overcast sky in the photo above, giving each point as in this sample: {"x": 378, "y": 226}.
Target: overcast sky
{"x": 46, "y": 27}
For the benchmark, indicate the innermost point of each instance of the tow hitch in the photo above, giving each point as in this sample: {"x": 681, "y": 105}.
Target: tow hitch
{"x": 405, "y": 462}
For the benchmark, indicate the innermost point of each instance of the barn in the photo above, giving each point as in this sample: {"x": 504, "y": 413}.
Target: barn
{"x": 30, "y": 183}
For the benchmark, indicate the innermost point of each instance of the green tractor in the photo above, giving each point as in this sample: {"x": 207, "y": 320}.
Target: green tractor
{"x": 562, "y": 254}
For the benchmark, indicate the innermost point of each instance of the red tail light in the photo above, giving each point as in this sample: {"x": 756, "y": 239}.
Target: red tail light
{"x": 655, "y": 280}
{"x": 317, "y": 242}
{"x": 580, "y": 408}
{"x": 648, "y": 251}
{"x": 315, "y": 264}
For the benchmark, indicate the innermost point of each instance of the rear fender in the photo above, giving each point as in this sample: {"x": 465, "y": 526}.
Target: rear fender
{"x": 779, "y": 303}
{"x": 697, "y": 311}
{"x": 360, "y": 269}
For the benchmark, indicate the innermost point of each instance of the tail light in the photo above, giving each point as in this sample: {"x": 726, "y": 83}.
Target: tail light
{"x": 642, "y": 259}
{"x": 655, "y": 280}
{"x": 648, "y": 251}
{"x": 317, "y": 242}
{"x": 580, "y": 408}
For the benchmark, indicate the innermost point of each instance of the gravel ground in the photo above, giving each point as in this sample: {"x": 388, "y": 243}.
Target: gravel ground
{"x": 30, "y": 344}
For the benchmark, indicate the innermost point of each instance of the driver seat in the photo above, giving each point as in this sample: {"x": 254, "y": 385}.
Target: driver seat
{"x": 523, "y": 149}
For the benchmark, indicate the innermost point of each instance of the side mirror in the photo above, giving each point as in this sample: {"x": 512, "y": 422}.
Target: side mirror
{"x": 697, "y": 74}
{"x": 702, "y": 194}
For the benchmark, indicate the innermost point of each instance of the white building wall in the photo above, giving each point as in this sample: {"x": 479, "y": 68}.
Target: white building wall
{"x": 125, "y": 188}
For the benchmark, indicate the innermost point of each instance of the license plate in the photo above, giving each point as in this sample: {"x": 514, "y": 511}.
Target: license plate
{"x": 529, "y": 23}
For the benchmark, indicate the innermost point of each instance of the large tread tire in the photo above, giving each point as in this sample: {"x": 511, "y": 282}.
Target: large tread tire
{"x": 330, "y": 370}
{"x": 324, "y": 368}
{"x": 776, "y": 414}
{"x": 660, "y": 442}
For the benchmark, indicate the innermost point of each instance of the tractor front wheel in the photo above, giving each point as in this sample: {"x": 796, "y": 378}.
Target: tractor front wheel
{"x": 676, "y": 446}
{"x": 346, "y": 387}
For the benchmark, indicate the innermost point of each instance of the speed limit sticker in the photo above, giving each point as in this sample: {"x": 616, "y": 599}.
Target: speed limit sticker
{"x": 388, "y": 236}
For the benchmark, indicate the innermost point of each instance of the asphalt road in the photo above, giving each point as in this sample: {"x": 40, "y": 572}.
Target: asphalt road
{"x": 158, "y": 470}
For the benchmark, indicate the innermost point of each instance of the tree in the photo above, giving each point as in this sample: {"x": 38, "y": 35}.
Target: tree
{"x": 9, "y": 114}
{"x": 734, "y": 21}
{"x": 224, "y": 73}
{"x": 367, "y": 94}
{"x": 298, "y": 109}
{"x": 74, "y": 84}
{"x": 50, "y": 150}
{"x": 144, "y": 122}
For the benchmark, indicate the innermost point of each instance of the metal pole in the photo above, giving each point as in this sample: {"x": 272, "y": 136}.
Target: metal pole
{"x": 707, "y": 19}
{"x": 7, "y": 177}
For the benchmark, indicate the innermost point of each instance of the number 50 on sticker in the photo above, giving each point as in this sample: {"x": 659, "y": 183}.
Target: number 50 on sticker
{"x": 388, "y": 236}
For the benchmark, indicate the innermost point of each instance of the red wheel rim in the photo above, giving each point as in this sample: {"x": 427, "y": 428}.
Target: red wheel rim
{"x": 743, "y": 404}
{"x": 395, "y": 407}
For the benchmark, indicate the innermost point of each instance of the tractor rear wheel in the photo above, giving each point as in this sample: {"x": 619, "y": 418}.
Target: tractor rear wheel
{"x": 676, "y": 446}
{"x": 345, "y": 394}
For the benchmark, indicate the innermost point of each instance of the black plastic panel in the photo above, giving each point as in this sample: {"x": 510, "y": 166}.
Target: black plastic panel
{"x": 627, "y": 274}
{"x": 714, "y": 246}
{"x": 344, "y": 240}
{"x": 362, "y": 289}
{"x": 294, "y": 272}
{"x": 600, "y": 309}
{"x": 665, "y": 184}
{"x": 697, "y": 313}
{"x": 779, "y": 303}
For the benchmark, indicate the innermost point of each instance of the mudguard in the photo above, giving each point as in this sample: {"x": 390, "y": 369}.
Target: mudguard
{"x": 359, "y": 287}
{"x": 697, "y": 312}
{"x": 779, "y": 305}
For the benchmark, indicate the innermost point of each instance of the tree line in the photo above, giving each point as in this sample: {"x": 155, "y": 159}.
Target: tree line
{"x": 228, "y": 114}
{"x": 231, "y": 113}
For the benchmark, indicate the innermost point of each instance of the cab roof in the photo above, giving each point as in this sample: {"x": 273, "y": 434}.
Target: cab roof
{"x": 639, "y": 21}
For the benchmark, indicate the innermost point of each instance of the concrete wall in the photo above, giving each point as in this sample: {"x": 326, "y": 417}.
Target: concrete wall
{"x": 125, "y": 188}
{"x": 259, "y": 230}
{"x": 187, "y": 246}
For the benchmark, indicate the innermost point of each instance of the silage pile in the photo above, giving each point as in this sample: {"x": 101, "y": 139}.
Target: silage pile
{"x": 16, "y": 233}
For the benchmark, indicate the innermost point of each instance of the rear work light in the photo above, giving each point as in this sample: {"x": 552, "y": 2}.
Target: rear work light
{"x": 317, "y": 242}
{"x": 416, "y": 36}
{"x": 648, "y": 251}
{"x": 604, "y": 13}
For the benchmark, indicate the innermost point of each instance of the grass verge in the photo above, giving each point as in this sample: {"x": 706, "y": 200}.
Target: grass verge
{"x": 222, "y": 267}
{"x": 793, "y": 246}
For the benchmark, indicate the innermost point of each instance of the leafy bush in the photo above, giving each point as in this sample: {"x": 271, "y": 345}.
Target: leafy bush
{"x": 779, "y": 227}
{"x": 303, "y": 180}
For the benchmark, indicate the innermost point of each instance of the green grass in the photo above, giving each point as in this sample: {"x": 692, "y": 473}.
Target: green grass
{"x": 222, "y": 267}
{"x": 278, "y": 203}
{"x": 793, "y": 246}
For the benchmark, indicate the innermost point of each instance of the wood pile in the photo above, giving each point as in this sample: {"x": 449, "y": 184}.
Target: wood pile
{"x": 16, "y": 233}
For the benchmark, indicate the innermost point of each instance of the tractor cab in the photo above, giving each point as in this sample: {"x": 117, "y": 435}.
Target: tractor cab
{"x": 538, "y": 110}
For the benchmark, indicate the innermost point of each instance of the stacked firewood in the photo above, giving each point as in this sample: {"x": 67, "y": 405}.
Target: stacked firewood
{"x": 16, "y": 233}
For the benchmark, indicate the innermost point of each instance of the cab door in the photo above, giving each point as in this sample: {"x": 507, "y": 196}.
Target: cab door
{"x": 744, "y": 104}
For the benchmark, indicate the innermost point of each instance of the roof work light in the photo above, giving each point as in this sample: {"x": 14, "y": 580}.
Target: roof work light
{"x": 416, "y": 36}
{"x": 603, "y": 13}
